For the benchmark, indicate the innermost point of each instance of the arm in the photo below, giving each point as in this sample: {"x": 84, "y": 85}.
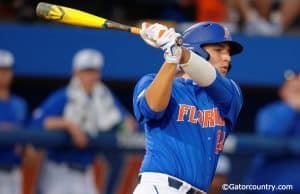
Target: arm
{"x": 159, "y": 91}
{"x": 56, "y": 123}
{"x": 59, "y": 123}
{"x": 49, "y": 116}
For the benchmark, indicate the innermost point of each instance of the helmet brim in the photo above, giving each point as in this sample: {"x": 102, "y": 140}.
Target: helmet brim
{"x": 235, "y": 47}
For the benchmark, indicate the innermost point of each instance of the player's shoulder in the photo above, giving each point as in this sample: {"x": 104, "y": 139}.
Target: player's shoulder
{"x": 57, "y": 96}
{"x": 18, "y": 101}
{"x": 145, "y": 80}
{"x": 236, "y": 87}
{"x": 59, "y": 93}
{"x": 147, "y": 77}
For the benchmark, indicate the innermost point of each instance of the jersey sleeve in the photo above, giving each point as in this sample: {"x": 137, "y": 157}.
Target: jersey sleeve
{"x": 276, "y": 119}
{"x": 142, "y": 111}
{"x": 227, "y": 96}
{"x": 52, "y": 106}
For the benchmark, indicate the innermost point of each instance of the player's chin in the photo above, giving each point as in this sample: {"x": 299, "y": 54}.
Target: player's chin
{"x": 223, "y": 71}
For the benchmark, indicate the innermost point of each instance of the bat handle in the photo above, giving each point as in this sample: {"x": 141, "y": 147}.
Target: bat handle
{"x": 135, "y": 30}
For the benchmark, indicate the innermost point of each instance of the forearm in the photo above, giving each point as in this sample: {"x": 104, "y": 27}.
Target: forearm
{"x": 159, "y": 91}
{"x": 199, "y": 69}
{"x": 57, "y": 123}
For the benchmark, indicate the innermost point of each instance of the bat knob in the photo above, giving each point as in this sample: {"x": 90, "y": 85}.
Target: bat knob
{"x": 179, "y": 41}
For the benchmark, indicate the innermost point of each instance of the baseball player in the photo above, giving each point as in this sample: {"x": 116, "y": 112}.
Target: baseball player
{"x": 280, "y": 119}
{"x": 13, "y": 114}
{"x": 187, "y": 109}
{"x": 83, "y": 108}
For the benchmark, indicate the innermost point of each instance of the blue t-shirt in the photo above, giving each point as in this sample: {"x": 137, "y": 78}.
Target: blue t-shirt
{"x": 54, "y": 106}
{"x": 13, "y": 115}
{"x": 277, "y": 119}
{"x": 185, "y": 139}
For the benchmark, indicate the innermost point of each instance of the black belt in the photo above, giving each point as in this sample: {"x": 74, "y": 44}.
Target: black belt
{"x": 177, "y": 184}
{"x": 78, "y": 168}
{"x": 7, "y": 168}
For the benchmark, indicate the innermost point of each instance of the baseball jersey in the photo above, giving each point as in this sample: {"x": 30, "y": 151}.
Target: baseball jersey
{"x": 54, "y": 107}
{"x": 13, "y": 114}
{"x": 186, "y": 138}
{"x": 277, "y": 119}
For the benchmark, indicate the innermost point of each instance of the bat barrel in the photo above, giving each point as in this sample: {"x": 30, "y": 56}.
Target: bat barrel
{"x": 49, "y": 11}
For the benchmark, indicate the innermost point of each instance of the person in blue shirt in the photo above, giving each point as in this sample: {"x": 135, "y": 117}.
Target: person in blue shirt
{"x": 13, "y": 115}
{"x": 83, "y": 108}
{"x": 279, "y": 119}
{"x": 187, "y": 109}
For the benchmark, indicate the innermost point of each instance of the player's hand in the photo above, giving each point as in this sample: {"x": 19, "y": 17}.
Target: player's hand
{"x": 167, "y": 42}
{"x": 158, "y": 35}
{"x": 79, "y": 138}
{"x": 151, "y": 32}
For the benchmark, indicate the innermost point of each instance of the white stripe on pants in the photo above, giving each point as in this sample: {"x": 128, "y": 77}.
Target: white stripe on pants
{"x": 157, "y": 183}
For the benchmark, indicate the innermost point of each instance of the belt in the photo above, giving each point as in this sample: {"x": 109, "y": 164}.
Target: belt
{"x": 7, "y": 168}
{"x": 177, "y": 184}
{"x": 78, "y": 168}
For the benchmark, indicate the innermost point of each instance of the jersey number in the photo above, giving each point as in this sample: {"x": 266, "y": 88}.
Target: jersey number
{"x": 220, "y": 141}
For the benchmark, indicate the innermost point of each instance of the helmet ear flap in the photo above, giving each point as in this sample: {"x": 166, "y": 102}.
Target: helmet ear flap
{"x": 200, "y": 51}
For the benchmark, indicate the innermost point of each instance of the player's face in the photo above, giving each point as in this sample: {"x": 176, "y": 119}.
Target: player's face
{"x": 292, "y": 86}
{"x": 219, "y": 56}
{"x": 6, "y": 76}
{"x": 88, "y": 78}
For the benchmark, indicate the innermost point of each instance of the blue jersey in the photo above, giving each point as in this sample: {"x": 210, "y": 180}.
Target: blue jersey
{"x": 13, "y": 114}
{"x": 54, "y": 107}
{"x": 277, "y": 119}
{"x": 185, "y": 139}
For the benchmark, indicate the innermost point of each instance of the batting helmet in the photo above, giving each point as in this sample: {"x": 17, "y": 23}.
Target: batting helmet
{"x": 203, "y": 33}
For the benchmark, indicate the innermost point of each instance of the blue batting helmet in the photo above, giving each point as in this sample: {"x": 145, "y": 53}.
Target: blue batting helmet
{"x": 203, "y": 33}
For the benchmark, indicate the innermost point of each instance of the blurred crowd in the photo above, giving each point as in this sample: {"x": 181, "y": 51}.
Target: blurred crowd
{"x": 85, "y": 107}
{"x": 253, "y": 17}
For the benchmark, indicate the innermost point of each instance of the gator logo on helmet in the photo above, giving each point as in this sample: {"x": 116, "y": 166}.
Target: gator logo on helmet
{"x": 226, "y": 33}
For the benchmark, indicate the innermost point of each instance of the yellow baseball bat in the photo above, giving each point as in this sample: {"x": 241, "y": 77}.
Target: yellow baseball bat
{"x": 80, "y": 18}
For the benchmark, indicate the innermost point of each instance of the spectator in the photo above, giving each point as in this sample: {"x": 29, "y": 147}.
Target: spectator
{"x": 279, "y": 119}
{"x": 83, "y": 108}
{"x": 222, "y": 11}
{"x": 260, "y": 17}
{"x": 13, "y": 113}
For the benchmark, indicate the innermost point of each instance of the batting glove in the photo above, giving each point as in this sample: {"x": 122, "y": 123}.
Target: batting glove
{"x": 151, "y": 32}
{"x": 159, "y": 36}
{"x": 167, "y": 42}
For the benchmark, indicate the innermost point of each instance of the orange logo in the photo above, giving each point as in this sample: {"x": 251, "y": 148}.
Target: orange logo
{"x": 205, "y": 118}
{"x": 226, "y": 33}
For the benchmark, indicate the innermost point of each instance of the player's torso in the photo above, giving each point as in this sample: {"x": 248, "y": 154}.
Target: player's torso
{"x": 11, "y": 112}
{"x": 187, "y": 141}
{"x": 79, "y": 158}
